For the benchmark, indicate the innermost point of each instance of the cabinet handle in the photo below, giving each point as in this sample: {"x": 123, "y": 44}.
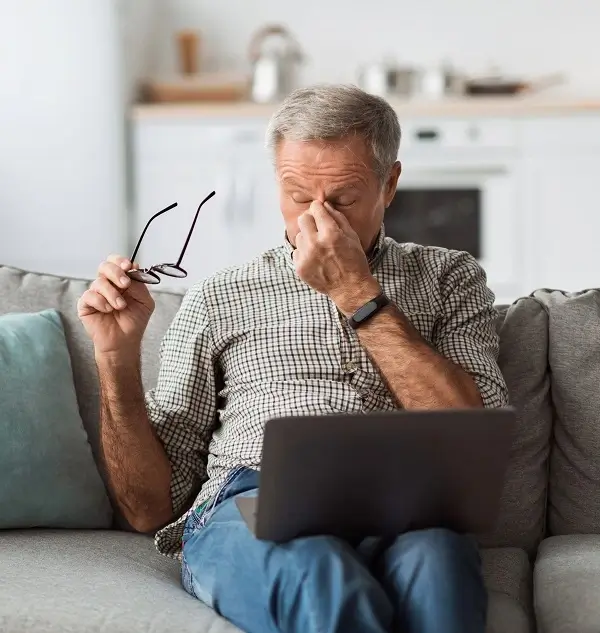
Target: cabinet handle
{"x": 427, "y": 135}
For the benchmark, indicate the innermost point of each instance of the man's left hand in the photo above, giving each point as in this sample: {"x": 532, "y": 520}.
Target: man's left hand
{"x": 330, "y": 258}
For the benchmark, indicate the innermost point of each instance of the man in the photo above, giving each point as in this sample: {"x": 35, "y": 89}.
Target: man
{"x": 272, "y": 338}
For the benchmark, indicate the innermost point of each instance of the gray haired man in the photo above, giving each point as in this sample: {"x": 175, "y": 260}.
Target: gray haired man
{"x": 271, "y": 338}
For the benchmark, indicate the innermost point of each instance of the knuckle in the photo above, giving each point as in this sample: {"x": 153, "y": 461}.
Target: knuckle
{"x": 86, "y": 299}
{"x": 102, "y": 286}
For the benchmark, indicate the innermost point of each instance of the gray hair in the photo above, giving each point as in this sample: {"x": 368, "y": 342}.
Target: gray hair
{"x": 332, "y": 112}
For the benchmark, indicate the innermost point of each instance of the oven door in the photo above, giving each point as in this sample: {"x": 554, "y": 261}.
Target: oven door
{"x": 462, "y": 207}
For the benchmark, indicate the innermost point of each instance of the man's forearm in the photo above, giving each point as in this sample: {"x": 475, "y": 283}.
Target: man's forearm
{"x": 138, "y": 468}
{"x": 417, "y": 375}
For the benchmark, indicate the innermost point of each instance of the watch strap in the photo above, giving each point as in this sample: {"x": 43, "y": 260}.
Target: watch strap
{"x": 368, "y": 310}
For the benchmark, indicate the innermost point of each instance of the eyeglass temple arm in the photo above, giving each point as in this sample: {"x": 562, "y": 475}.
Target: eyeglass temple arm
{"x": 137, "y": 246}
{"x": 187, "y": 241}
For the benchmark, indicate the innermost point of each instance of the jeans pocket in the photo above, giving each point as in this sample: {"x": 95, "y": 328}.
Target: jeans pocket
{"x": 198, "y": 517}
{"x": 192, "y": 522}
{"x": 221, "y": 494}
{"x": 186, "y": 578}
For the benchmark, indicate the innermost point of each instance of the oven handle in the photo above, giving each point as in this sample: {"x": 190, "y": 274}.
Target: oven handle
{"x": 431, "y": 173}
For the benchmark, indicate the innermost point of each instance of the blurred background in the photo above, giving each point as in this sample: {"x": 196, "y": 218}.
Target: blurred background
{"x": 111, "y": 110}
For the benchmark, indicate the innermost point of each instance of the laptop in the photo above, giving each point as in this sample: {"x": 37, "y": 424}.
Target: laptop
{"x": 380, "y": 474}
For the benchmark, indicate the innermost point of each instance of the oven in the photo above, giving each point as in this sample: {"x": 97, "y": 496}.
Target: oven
{"x": 458, "y": 190}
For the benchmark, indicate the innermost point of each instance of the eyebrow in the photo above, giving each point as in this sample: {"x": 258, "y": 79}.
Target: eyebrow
{"x": 334, "y": 192}
{"x": 292, "y": 182}
{"x": 341, "y": 190}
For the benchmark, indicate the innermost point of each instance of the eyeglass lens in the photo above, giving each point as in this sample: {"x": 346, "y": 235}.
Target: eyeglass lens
{"x": 144, "y": 275}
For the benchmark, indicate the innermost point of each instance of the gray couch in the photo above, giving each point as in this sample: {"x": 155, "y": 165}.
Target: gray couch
{"x": 541, "y": 565}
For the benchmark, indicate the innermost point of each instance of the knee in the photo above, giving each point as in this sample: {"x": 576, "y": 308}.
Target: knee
{"x": 313, "y": 555}
{"x": 315, "y": 562}
{"x": 436, "y": 549}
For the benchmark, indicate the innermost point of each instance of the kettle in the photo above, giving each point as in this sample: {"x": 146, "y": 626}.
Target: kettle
{"x": 273, "y": 69}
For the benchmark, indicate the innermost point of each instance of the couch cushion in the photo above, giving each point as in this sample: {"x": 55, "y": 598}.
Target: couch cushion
{"x": 523, "y": 360}
{"x": 507, "y": 575}
{"x": 71, "y": 581}
{"x": 505, "y": 615}
{"x": 94, "y": 582}
{"x": 31, "y": 292}
{"x": 48, "y": 477}
{"x": 574, "y": 487}
{"x": 567, "y": 584}
{"x": 507, "y": 570}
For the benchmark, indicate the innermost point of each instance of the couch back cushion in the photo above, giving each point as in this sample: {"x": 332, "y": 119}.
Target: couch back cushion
{"x": 31, "y": 292}
{"x": 574, "y": 486}
{"x": 523, "y": 360}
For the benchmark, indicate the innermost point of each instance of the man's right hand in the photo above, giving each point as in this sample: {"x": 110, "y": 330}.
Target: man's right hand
{"x": 115, "y": 310}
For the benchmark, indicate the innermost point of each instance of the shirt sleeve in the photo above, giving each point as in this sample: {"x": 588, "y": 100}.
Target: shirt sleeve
{"x": 182, "y": 408}
{"x": 465, "y": 331}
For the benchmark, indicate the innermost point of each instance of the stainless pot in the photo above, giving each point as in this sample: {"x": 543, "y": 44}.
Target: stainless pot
{"x": 389, "y": 80}
{"x": 440, "y": 81}
{"x": 385, "y": 80}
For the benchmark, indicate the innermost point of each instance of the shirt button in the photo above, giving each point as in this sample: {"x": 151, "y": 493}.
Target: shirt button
{"x": 349, "y": 367}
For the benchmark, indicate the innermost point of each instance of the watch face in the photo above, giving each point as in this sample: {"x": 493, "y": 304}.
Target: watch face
{"x": 365, "y": 311}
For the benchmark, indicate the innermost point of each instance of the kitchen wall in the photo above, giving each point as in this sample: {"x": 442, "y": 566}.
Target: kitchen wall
{"x": 62, "y": 177}
{"x": 522, "y": 36}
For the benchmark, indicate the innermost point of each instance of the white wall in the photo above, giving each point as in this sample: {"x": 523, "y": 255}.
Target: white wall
{"x": 523, "y": 36}
{"x": 62, "y": 206}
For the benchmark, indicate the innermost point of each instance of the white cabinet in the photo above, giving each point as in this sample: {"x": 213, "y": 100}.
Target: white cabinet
{"x": 539, "y": 231}
{"x": 560, "y": 201}
{"x": 182, "y": 161}
{"x": 256, "y": 224}
{"x": 565, "y": 218}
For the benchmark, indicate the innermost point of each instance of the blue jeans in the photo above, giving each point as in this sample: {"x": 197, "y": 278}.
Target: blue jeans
{"x": 421, "y": 582}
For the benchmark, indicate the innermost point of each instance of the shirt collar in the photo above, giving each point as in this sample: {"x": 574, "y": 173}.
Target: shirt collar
{"x": 374, "y": 256}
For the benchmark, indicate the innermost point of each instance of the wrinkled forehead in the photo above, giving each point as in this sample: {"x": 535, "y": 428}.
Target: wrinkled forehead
{"x": 344, "y": 160}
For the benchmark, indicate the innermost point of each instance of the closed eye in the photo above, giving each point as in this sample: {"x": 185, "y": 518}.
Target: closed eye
{"x": 345, "y": 204}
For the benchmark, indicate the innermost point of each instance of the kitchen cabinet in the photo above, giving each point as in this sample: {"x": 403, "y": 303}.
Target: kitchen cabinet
{"x": 565, "y": 220}
{"x": 540, "y": 218}
{"x": 561, "y": 163}
{"x": 257, "y": 224}
{"x": 182, "y": 161}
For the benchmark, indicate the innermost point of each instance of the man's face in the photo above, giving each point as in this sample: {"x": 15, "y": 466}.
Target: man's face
{"x": 338, "y": 172}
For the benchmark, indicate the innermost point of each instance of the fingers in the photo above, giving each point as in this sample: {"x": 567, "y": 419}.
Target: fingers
{"x": 112, "y": 295}
{"x": 90, "y": 302}
{"x": 323, "y": 217}
{"x": 114, "y": 271}
{"x": 121, "y": 262}
{"x": 340, "y": 219}
{"x": 308, "y": 228}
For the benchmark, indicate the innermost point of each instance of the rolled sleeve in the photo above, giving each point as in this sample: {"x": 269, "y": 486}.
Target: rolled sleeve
{"x": 182, "y": 408}
{"x": 465, "y": 331}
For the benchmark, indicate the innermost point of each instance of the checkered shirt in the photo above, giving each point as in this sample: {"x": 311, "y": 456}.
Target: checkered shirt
{"x": 255, "y": 342}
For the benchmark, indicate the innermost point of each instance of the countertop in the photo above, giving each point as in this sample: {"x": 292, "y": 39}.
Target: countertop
{"x": 523, "y": 106}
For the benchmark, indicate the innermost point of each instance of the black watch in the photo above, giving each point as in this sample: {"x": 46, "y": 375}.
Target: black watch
{"x": 368, "y": 310}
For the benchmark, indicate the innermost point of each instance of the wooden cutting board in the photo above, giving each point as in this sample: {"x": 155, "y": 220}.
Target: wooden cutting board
{"x": 202, "y": 87}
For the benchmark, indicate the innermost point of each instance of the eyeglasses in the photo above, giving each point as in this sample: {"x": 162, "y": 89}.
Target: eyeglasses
{"x": 149, "y": 275}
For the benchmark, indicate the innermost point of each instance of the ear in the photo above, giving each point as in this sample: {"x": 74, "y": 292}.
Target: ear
{"x": 390, "y": 185}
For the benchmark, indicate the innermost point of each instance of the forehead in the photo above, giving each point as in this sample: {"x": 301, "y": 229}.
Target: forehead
{"x": 347, "y": 158}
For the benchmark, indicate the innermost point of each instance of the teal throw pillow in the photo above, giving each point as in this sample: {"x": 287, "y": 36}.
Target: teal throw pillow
{"x": 48, "y": 477}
